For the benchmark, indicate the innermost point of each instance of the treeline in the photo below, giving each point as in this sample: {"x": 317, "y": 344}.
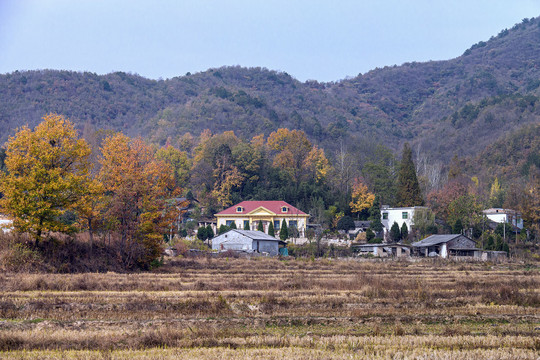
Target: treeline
{"x": 125, "y": 192}
{"x": 53, "y": 185}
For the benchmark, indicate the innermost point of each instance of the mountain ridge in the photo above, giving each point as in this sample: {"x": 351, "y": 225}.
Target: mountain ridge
{"x": 468, "y": 102}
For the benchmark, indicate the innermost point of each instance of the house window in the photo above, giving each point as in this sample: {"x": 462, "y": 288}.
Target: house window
{"x": 284, "y": 209}
{"x": 239, "y": 209}
{"x": 385, "y": 216}
{"x": 293, "y": 224}
{"x": 276, "y": 224}
{"x": 229, "y": 222}
{"x": 404, "y": 215}
{"x": 246, "y": 224}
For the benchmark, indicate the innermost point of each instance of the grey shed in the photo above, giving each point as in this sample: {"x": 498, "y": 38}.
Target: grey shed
{"x": 250, "y": 241}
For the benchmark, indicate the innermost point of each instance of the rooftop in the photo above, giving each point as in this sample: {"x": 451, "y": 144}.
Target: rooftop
{"x": 436, "y": 240}
{"x": 254, "y": 235}
{"x": 500, "y": 211}
{"x": 274, "y": 206}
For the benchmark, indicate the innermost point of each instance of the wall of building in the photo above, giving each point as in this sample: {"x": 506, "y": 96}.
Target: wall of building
{"x": 270, "y": 247}
{"x": 232, "y": 241}
{"x": 515, "y": 220}
{"x": 396, "y": 215}
{"x": 254, "y": 222}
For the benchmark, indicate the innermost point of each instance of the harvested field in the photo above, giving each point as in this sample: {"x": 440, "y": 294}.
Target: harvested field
{"x": 267, "y": 308}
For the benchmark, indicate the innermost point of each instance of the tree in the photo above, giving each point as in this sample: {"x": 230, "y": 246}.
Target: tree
{"x": 404, "y": 231}
{"x": 457, "y": 228}
{"x": 346, "y": 223}
{"x": 466, "y": 209}
{"x": 375, "y": 215}
{"x": 496, "y": 194}
{"x": 90, "y": 207}
{"x": 370, "y": 235}
{"x": 296, "y": 156}
{"x": 395, "y": 232}
{"x": 283, "y": 232}
{"x": 137, "y": 187}
{"x": 408, "y": 189}
{"x": 202, "y": 234}
{"x": 246, "y": 225}
{"x": 233, "y": 225}
{"x": 490, "y": 243}
{"x": 209, "y": 232}
{"x": 376, "y": 225}
{"x": 178, "y": 161}
{"x": 423, "y": 220}
{"x": 361, "y": 198}
{"x": 530, "y": 205}
{"x": 504, "y": 230}
{"x": 47, "y": 175}
{"x": 271, "y": 230}
{"x": 260, "y": 226}
{"x": 223, "y": 229}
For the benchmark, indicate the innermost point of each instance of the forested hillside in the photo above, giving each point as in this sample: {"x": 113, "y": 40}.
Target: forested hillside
{"x": 471, "y": 107}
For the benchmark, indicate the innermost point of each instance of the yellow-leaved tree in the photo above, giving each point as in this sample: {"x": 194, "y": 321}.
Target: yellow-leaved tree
{"x": 361, "y": 197}
{"x": 47, "y": 174}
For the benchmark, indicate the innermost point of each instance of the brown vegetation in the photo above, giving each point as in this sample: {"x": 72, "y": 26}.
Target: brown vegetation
{"x": 262, "y": 308}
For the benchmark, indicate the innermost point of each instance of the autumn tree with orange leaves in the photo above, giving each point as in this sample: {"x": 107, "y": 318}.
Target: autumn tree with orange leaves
{"x": 137, "y": 186}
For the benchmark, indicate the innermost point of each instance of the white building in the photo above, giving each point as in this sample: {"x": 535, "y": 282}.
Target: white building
{"x": 504, "y": 216}
{"x": 247, "y": 241}
{"x": 247, "y": 214}
{"x": 400, "y": 215}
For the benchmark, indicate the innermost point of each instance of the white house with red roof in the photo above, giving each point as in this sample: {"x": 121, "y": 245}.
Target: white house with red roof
{"x": 247, "y": 214}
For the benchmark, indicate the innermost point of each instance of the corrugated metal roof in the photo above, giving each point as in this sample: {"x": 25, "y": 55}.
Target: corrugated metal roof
{"x": 435, "y": 240}
{"x": 256, "y": 235}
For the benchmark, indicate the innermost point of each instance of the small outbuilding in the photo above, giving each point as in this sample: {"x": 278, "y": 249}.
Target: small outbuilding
{"x": 249, "y": 241}
{"x": 383, "y": 250}
{"x": 444, "y": 246}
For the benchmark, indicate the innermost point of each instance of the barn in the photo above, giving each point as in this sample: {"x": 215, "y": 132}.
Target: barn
{"x": 453, "y": 245}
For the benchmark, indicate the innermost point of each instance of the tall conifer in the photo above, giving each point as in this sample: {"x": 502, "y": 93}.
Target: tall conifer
{"x": 408, "y": 191}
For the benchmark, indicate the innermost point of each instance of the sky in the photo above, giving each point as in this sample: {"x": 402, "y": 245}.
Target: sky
{"x": 308, "y": 39}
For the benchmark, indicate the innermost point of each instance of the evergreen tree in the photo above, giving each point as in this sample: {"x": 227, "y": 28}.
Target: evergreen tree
{"x": 376, "y": 226}
{"x": 345, "y": 223}
{"x": 260, "y": 226}
{"x": 408, "y": 189}
{"x": 370, "y": 235}
{"x": 458, "y": 227}
{"x": 201, "y": 233}
{"x": 284, "y": 232}
{"x": 223, "y": 229}
{"x": 375, "y": 215}
{"x": 233, "y": 225}
{"x": 271, "y": 231}
{"x": 395, "y": 233}
{"x": 490, "y": 243}
{"x": 209, "y": 232}
{"x": 246, "y": 225}
{"x": 404, "y": 231}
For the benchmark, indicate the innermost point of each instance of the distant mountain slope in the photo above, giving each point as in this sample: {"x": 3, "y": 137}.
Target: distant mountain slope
{"x": 444, "y": 107}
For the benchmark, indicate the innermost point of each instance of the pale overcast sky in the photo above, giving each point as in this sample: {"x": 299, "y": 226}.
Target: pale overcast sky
{"x": 309, "y": 39}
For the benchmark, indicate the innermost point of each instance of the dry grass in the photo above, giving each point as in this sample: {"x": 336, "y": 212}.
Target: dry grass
{"x": 265, "y": 308}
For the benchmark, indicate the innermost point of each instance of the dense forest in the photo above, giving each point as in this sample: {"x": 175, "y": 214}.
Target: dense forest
{"x": 233, "y": 133}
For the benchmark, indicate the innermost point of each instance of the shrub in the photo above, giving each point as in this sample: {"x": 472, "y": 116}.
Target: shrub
{"x": 17, "y": 257}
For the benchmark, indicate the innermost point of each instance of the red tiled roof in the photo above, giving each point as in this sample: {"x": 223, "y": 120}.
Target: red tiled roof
{"x": 273, "y": 206}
